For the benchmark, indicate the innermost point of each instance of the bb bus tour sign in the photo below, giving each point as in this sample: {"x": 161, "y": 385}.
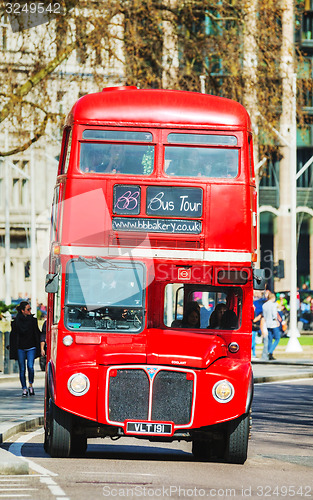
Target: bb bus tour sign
{"x": 181, "y": 203}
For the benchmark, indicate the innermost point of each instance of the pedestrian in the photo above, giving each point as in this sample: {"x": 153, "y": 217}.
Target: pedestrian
{"x": 25, "y": 344}
{"x": 43, "y": 339}
{"x": 271, "y": 318}
{"x": 258, "y": 323}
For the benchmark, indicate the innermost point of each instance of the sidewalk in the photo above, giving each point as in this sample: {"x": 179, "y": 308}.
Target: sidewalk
{"x": 19, "y": 414}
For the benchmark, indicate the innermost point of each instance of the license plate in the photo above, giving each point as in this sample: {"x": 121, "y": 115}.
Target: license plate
{"x": 148, "y": 428}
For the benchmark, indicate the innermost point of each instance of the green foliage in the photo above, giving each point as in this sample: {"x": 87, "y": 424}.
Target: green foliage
{"x": 4, "y": 308}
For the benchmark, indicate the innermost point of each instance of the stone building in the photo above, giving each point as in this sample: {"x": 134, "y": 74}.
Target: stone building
{"x": 73, "y": 78}
{"x": 70, "y": 81}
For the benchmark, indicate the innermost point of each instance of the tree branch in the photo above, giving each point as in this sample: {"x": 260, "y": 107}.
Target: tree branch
{"x": 31, "y": 141}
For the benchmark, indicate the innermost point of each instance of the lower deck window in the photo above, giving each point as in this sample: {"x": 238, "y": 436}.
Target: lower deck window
{"x": 203, "y": 307}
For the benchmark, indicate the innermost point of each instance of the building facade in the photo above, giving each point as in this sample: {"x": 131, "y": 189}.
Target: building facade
{"x": 77, "y": 75}
{"x": 71, "y": 80}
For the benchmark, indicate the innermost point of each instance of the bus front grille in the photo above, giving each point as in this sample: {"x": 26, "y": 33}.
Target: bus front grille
{"x": 129, "y": 396}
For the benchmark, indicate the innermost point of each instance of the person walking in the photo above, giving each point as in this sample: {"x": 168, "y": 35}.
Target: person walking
{"x": 271, "y": 318}
{"x": 258, "y": 323}
{"x": 25, "y": 345}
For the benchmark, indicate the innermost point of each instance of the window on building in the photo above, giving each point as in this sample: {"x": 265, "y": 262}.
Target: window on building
{"x": 20, "y": 185}
{"x": 303, "y": 157}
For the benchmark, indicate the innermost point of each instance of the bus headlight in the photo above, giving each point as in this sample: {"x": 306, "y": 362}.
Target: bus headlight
{"x": 223, "y": 391}
{"x": 68, "y": 340}
{"x": 78, "y": 384}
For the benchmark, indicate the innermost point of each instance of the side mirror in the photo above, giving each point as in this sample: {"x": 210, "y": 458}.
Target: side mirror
{"x": 52, "y": 283}
{"x": 259, "y": 280}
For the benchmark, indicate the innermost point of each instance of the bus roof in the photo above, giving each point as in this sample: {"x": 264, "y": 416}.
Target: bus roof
{"x": 125, "y": 106}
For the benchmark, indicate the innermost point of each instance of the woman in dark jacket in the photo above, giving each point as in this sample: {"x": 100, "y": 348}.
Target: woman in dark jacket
{"x": 25, "y": 344}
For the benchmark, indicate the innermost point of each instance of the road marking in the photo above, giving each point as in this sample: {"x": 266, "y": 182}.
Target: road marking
{"x": 20, "y": 489}
{"x": 132, "y": 474}
{"x": 286, "y": 381}
{"x": 45, "y": 474}
{"x": 16, "y": 495}
{"x": 16, "y": 449}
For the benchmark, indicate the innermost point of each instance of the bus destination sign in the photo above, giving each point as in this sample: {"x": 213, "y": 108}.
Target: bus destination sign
{"x": 160, "y": 201}
{"x": 174, "y": 226}
{"x": 174, "y": 201}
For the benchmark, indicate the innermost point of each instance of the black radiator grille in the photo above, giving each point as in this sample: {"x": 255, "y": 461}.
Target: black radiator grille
{"x": 129, "y": 396}
{"x": 171, "y": 398}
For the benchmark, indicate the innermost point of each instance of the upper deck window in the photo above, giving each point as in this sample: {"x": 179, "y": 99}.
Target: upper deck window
{"x": 117, "y": 135}
{"x": 113, "y": 158}
{"x": 205, "y": 139}
{"x": 189, "y": 161}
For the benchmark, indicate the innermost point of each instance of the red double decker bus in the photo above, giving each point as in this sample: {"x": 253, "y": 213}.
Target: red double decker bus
{"x": 150, "y": 284}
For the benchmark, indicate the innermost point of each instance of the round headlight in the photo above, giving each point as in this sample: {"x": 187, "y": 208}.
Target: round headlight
{"x": 233, "y": 347}
{"x": 223, "y": 391}
{"x": 68, "y": 340}
{"x": 78, "y": 384}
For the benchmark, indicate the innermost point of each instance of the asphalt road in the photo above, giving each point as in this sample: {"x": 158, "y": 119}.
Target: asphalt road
{"x": 280, "y": 463}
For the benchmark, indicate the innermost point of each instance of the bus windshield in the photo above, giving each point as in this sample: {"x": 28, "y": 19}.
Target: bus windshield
{"x": 102, "y": 295}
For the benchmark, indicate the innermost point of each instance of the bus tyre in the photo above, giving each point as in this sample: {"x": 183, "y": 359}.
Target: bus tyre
{"x": 199, "y": 449}
{"x": 48, "y": 409}
{"x": 205, "y": 449}
{"x": 237, "y": 440}
{"x": 59, "y": 432}
{"x": 78, "y": 445}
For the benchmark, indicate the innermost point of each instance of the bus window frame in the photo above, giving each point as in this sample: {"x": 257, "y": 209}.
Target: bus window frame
{"x": 159, "y": 142}
{"x": 204, "y": 178}
{"x": 80, "y": 128}
{"x": 190, "y": 288}
{"x": 67, "y": 142}
{"x": 118, "y": 262}
{"x": 250, "y": 153}
{"x": 239, "y": 134}
{"x": 117, "y": 143}
{"x": 56, "y": 214}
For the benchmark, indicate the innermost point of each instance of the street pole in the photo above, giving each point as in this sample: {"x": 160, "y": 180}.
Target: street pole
{"x": 7, "y": 238}
{"x": 258, "y": 227}
{"x": 293, "y": 333}
{"x": 33, "y": 233}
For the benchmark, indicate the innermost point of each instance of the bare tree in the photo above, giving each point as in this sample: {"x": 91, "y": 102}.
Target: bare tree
{"x": 148, "y": 43}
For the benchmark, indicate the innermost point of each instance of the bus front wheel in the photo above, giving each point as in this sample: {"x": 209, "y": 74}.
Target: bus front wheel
{"x": 58, "y": 432}
{"x": 237, "y": 439}
{"x": 208, "y": 449}
{"x": 78, "y": 445}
